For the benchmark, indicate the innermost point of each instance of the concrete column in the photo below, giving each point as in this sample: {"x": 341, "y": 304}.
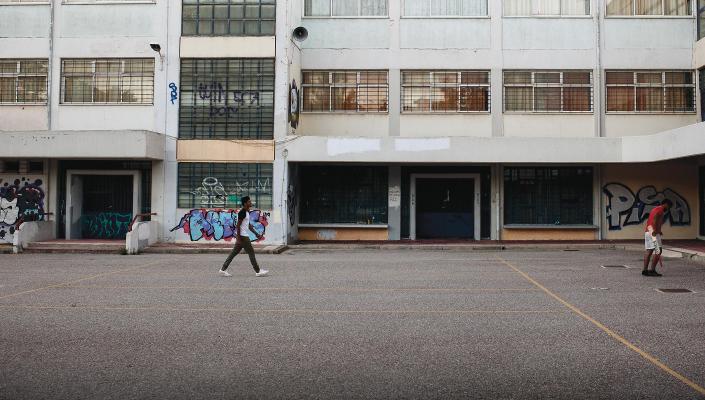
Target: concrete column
{"x": 497, "y": 64}
{"x": 394, "y": 211}
{"x": 157, "y": 199}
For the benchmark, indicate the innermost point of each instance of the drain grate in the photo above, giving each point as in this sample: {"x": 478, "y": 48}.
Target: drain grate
{"x": 615, "y": 266}
{"x": 678, "y": 290}
{"x": 571, "y": 250}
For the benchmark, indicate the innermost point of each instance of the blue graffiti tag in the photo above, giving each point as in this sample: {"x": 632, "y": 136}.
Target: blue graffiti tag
{"x": 174, "y": 92}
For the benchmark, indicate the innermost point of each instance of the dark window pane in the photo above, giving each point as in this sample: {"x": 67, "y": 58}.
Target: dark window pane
{"x": 548, "y": 196}
{"x": 344, "y": 195}
{"x": 221, "y": 185}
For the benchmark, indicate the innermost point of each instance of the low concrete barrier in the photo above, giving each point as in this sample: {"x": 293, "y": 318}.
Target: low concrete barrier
{"x": 142, "y": 235}
{"x": 32, "y": 231}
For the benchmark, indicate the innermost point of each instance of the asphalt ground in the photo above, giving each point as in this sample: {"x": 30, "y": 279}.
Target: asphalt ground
{"x": 372, "y": 324}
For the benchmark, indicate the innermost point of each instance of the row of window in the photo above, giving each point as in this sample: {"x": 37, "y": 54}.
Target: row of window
{"x": 127, "y": 81}
{"x": 524, "y": 91}
{"x": 225, "y": 96}
{"x": 359, "y": 195}
{"x": 479, "y": 8}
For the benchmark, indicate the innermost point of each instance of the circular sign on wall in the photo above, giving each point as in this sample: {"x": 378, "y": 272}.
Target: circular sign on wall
{"x": 294, "y": 104}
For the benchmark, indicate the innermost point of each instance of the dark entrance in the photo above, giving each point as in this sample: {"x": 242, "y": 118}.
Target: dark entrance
{"x": 106, "y": 209}
{"x": 445, "y": 208}
{"x": 701, "y": 190}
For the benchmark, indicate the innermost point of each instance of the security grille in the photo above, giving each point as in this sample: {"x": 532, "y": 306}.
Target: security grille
{"x": 345, "y": 91}
{"x": 650, "y": 91}
{"x": 548, "y": 91}
{"x": 227, "y": 99}
{"x": 445, "y": 91}
{"x": 548, "y": 196}
{"x": 336, "y": 194}
{"x": 108, "y": 80}
{"x": 221, "y": 185}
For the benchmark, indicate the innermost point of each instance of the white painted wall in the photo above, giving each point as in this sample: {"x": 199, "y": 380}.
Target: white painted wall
{"x": 319, "y": 124}
{"x": 494, "y": 43}
{"x": 549, "y": 125}
{"x": 419, "y": 125}
{"x": 617, "y": 125}
{"x": 23, "y": 118}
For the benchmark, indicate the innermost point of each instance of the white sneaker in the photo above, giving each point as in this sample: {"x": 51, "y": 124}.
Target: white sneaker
{"x": 262, "y": 272}
{"x": 225, "y": 273}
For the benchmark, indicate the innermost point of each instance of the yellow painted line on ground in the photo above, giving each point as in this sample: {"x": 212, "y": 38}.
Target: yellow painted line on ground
{"x": 608, "y": 331}
{"x": 312, "y": 289}
{"x": 281, "y": 311}
{"x": 56, "y": 285}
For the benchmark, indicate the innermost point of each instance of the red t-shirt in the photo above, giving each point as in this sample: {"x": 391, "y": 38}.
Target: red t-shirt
{"x": 652, "y": 221}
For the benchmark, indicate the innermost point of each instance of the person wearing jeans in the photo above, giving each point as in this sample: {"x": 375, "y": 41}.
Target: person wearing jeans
{"x": 242, "y": 240}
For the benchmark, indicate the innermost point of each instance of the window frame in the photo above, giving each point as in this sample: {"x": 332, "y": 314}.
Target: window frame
{"x": 228, "y": 19}
{"x": 332, "y": 85}
{"x": 23, "y": 3}
{"x": 549, "y": 16}
{"x": 258, "y": 124}
{"x": 227, "y": 176}
{"x": 18, "y": 74}
{"x": 589, "y": 193}
{"x": 458, "y": 85}
{"x": 535, "y": 85}
{"x": 486, "y": 16}
{"x": 62, "y": 82}
{"x": 635, "y": 15}
{"x": 331, "y": 16}
{"x": 663, "y": 86}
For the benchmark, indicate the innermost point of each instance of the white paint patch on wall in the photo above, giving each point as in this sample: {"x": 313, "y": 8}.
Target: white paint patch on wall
{"x": 326, "y": 234}
{"x": 357, "y": 145}
{"x": 421, "y": 144}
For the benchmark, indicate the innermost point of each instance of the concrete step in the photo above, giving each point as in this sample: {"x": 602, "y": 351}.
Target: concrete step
{"x": 179, "y": 248}
{"x": 77, "y": 247}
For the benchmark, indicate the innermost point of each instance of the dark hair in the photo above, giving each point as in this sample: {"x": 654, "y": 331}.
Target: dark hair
{"x": 668, "y": 202}
{"x": 244, "y": 200}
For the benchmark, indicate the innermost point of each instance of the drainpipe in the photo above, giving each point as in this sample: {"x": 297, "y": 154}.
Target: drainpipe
{"x": 50, "y": 63}
{"x": 599, "y": 111}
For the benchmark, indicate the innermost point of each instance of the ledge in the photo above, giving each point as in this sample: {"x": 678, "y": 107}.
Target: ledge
{"x": 345, "y": 226}
{"x": 547, "y": 226}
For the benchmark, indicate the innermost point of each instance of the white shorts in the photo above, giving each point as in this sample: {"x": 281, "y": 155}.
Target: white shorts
{"x": 649, "y": 241}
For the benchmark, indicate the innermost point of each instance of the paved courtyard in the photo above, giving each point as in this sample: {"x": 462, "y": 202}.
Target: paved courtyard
{"x": 351, "y": 324}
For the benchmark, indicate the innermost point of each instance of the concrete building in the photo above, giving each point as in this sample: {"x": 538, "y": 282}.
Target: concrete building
{"x": 380, "y": 120}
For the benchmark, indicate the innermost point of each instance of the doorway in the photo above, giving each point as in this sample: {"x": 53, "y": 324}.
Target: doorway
{"x": 445, "y": 206}
{"x": 101, "y": 204}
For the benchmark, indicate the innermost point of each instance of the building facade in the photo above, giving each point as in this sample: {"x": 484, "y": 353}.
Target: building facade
{"x": 354, "y": 119}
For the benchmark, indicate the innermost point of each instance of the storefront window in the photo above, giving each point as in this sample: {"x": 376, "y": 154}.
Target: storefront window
{"x": 548, "y": 196}
{"x": 343, "y": 195}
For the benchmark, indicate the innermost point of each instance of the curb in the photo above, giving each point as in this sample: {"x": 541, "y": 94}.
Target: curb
{"x": 274, "y": 249}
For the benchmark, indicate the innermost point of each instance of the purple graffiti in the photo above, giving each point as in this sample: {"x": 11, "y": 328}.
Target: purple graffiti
{"x": 218, "y": 224}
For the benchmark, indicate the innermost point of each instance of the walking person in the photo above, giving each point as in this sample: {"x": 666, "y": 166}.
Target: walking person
{"x": 652, "y": 237}
{"x": 242, "y": 239}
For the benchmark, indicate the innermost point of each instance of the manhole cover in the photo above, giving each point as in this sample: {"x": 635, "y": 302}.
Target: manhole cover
{"x": 679, "y": 290}
{"x": 615, "y": 266}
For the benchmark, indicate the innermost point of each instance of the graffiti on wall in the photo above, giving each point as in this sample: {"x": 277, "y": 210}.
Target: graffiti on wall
{"x": 213, "y": 194}
{"x": 105, "y": 225}
{"x": 625, "y": 208}
{"x": 291, "y": 204}
{"x": 20, "y": 200}
{"x": 224, "y": 102}
{"x": 174, "y": 92}
{"x": 219, "y": 224}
